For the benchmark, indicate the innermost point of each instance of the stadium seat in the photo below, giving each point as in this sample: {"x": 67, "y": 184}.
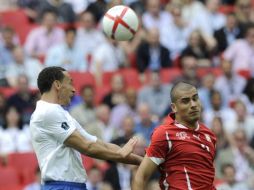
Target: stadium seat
{"x": 100, "y": 93}
{"x": 201, "y": 72}
{"x": 8, "y": 177}
{"x": 168, "y": 75}
{"x": 106, "y": 78}
{"x": 23, "y": 31}
{"x": 245, "y": 73}
{"x": 82, "y": 78}
{"x": 25, "y": 164}
{"x": 131, "y": 77}
{"x": 88, "y": 162}
{"x": 14, "y": 18}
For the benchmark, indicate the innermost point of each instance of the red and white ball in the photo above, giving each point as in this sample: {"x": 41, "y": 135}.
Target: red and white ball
{"x": 120, "y": 23}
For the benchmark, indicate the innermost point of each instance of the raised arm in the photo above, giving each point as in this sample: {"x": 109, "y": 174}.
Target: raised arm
{"x": 145, "y": 170}
{"x": 104, "y": 151}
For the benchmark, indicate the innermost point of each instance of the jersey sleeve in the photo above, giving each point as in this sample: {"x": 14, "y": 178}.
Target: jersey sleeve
{"x": 57, "y": 124}
{"x": 159, "y": 147}
{"x": 84, "y": 133}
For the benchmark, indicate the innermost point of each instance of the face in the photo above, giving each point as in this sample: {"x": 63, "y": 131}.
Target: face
{"x": 187, "y": 106}
{"x": 18, "y": 55}
{"x": 231, "y": 21}
{"x": 70, "y": 38}
{"x": 87, "y": 20}
{"x": 12, "y": 117}
{"x": 65, "y": 89}
{"x": 88, "y": 96}
{"x": 229, "y": 174}
{"x": 250, "y": 36}
{"x": 49, "y": 20}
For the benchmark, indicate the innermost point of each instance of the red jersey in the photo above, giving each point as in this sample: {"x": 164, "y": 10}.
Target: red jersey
{"x": 185, "y": 156}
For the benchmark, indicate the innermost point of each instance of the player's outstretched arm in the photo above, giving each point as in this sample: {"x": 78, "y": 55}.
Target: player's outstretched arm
{"x": 101, "y": 151}
{"x": 145, "y": 170}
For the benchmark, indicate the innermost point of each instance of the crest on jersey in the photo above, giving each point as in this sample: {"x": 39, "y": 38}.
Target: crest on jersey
{"x": 208, "y": 138}
{"x": 65, "y": 126}
{"x": 182, "y": 135}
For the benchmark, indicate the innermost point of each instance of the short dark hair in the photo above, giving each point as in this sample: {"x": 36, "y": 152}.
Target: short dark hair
{"x": 177, "y": 86}
{"x": 47, "y": 76}
{"x": 70, "y": 29}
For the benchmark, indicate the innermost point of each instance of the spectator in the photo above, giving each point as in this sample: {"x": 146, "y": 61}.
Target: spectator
{"x": 88, "y": 36}
{"x": 226, "y": 35}
{"x": 155, "y": 95}
{"x": 118, "y": 176}
{"x": 16, "y": 137}
{"x": 240, "y": 53}
{"x": 230, "y": 183}
{"x": 221, "y": 135}
{"x": 209, "y": 19}
{"x": 205, "y": 90}
{"x": 244, "y": 13}
{"x": 85, "y": 112}
{"x": 116, "y": 95}
{"x": 175, "y": 36}
{"x": 108, "y": 132}
{"x": 63, "y": 9}
{"x": 145, "y": 125}
{"x": 108, "y": 57}
{"x": 128, "y": 107}
{"x": 240, "y": 155}
{"x": 155, "y": 17}
{"x": 24, "y": 100}
{"x": 191, "y": 9}
{"x": 199, "y": 48}
{"x": 152, "y": 55}
{"x": 229, "y": 84}
{"x": 189, "y": 66}
{"x": 67, "y": 54}
{"x": 225, "y": 113}
{"x": 94, "y": 181}
{"x": 2, "y": 108}
{"x": 40, "y": 39}
{"x": 245, "y": 121}
{"x": 127, "y": 127}
{"x": 249, "y": 92}
{"x": 98, "y": 8}
{"x": 23, "y": 65}
{"x": 8, "y": 42}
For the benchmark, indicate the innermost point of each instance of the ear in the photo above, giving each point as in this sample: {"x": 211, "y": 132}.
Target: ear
{"x": 173, "y": 107}
{"x": 57, "y": 84}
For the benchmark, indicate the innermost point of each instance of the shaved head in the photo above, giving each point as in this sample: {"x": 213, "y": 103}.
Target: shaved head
{"x": 179, "y": 86}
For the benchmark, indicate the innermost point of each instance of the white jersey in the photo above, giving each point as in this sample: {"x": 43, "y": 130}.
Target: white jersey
{"x": 50, "y": 126}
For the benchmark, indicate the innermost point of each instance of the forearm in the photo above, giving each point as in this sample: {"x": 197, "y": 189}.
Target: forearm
{"x": 131, "y": 159}
{"x": 138, "y": 183}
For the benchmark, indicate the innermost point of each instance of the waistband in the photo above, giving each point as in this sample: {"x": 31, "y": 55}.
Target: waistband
{"x": 65, "y": 183}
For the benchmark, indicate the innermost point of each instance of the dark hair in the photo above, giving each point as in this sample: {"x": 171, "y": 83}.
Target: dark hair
{"x": 47, "y": 76}
{"x": 177, "y": 86}
{"x": 70, "y": 29}
{"x": 86, "y": 86}
{"x": 20, "y": 121}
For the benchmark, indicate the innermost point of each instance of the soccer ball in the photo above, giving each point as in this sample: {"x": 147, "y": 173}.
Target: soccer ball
{"x": 120, "y": 23}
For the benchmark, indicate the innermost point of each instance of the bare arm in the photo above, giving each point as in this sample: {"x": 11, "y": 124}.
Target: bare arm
{"x": 131, "y": 159}
{"x": 100, "y": 151}
{"x": 145, "y": 170}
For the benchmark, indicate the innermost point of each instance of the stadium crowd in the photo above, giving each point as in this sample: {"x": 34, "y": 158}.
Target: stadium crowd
{"x": 123, "y": 87}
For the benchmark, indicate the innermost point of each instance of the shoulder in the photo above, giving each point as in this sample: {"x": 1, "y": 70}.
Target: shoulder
{"x": 162, "y": 132}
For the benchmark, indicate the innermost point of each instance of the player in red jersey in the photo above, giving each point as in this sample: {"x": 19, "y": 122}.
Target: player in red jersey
{"x": 181, "y": 148}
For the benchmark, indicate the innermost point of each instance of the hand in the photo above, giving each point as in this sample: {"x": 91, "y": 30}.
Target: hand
{"x": 128, "y": 147}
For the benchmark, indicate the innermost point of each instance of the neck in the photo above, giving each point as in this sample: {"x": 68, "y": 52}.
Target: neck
{"x": 48, "y": 97}
{"x": 191, "y": 125}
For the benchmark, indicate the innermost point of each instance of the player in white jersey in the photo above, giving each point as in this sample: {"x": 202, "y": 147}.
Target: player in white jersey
{"x": 58, "y": 139}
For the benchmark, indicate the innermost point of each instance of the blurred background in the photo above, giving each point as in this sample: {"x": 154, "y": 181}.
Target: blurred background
{"x": 123, "y": 87}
